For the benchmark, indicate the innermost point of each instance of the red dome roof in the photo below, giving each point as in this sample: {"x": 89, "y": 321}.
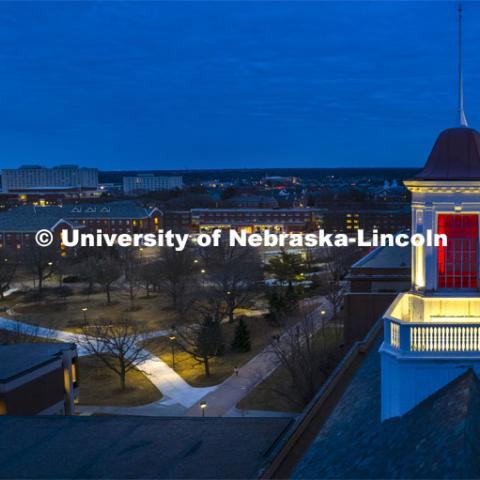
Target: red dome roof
{"x": 455, "y": 156}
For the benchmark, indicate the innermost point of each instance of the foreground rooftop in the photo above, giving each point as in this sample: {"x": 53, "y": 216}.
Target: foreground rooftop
{"x": 136, "y": 447}
{"x": 18, "y": 359}
{"x": 436, "y": 439}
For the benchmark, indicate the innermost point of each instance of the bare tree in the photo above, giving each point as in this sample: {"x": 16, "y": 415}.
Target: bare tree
{"x": 203, "y": 341}
{"x": 337, "y": 262}
{"x": 307, "y": 353}
{"x": 230, "y": 279}
{"x": 40, "y": 262}
{"x": 63, "y": 266}
{"x": 148, "y": 277}
{"x": 176, "y": 276}
{"x": 116, "y": 344}
{"x": 131, "y": 263}
{"x": 8, "y": 268}
{"x": 105, "y": 271}
{"x": 24, "y": 333}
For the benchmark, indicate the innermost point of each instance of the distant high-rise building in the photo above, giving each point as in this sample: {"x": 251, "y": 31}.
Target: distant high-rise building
{"x": 150, "y": 183}
{"x": 33, "y": 177}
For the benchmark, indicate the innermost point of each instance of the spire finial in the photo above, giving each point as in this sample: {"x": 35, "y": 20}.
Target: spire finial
{"x": 461, "y": 111}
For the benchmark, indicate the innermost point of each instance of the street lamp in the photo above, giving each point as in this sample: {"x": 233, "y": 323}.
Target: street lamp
{"x": 84, "y": 310}
{"x": 172, "y": 338}
{"x": 203, "y": 407}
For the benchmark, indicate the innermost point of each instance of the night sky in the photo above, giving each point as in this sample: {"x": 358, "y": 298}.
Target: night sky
{"x": 231, "y": 85}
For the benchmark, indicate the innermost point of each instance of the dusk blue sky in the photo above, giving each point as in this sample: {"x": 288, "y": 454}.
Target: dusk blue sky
{"x": 231, "y": 85}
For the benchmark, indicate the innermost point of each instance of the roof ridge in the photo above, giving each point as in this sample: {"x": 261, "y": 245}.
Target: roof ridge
{"x": 470, "y": 425}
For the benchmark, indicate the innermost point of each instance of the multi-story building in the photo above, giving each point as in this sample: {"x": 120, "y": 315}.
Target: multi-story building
{"x": 38, "y": 379}
{"x": 19, "y": 225}
{"x": 113, "y": 217}
{"x": 150, "y": 183}
{"x": 351, "y": 219}
{"x": 35, "y": 178}
{"x": 177, "y": 220}
{"x": 257, "y": 219}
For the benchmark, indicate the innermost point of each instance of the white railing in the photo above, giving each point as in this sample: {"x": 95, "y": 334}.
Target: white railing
{"x": 421, "y": 337}
{"x": 395, "y": 335}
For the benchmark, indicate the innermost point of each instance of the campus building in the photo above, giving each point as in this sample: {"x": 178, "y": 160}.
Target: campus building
{"x": 375, "y": 281}
{"x": 33, "y": 178}
{"x": 405, "y": 401}
{"x": 19, "y": 225}
{"x": 351, "y": 219}
{"x": 38, "y": 379}
{"x": 432, "y": 333}
{"x": 139, "y": 184}
{"x": 257, "y": 219}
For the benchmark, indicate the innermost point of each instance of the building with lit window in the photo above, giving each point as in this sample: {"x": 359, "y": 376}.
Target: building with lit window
{"x": 33, "y": 178}
{"x": 19, "y": 225}
{"x": 257, "y": 219}
{"x": 432, "y": 333}
{"x": 38, "y": 379}
{"x": 353, "y": 218}
{"x": 150, "y": 183}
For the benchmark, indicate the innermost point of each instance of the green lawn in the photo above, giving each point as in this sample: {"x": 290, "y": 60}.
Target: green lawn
{"x": 101, "y": 386}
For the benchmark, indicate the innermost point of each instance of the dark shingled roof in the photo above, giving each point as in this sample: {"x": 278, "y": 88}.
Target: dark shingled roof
{"x": 12, "y": 222}
{"x": 136, "y": 447}
{"x": 121, "y": 209}
{"x": 20, "y": 358}
{"x": 455, "y": 156}
{"x": 28, "y": 218}
{"x": 436, "y": 439}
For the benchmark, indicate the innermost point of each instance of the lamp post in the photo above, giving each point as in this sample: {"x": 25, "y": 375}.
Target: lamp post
{"x": 203, "y": 407}
{"x": 172, "y": 338}
{"x": 323, "y": 312}
{"x": 84, "y": 310}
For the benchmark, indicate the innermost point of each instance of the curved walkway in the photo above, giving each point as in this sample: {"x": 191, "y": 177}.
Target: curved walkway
{"x": 179, "y": 398}
{"x": 224, "y": 399}
{"x": 173, "y": 387}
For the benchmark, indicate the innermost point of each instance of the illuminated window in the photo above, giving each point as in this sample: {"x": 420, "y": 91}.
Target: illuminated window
{"x": 74, "y": 372}
{"x": 457, "y": 262}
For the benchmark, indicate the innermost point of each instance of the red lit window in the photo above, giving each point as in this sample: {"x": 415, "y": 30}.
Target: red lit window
{"x": 457, "y": 262}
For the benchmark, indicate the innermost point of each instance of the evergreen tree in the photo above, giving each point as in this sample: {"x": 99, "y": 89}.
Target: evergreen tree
{"x": 291, "y": 298}
{"x": 241, "y": 340}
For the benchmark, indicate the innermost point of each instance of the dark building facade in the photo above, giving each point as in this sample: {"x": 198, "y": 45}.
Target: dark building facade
{"x": 19, "y": 225}
{"x": 375, "y": 280}
{"x": 38, "y": 378}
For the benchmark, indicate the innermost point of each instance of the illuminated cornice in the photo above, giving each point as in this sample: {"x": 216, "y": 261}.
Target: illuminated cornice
{"x": 443, "y": 186}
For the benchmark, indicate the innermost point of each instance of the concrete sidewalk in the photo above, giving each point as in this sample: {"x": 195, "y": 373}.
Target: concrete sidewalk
{"x": 231, "y": 391}
{"x": 175, "y": 389}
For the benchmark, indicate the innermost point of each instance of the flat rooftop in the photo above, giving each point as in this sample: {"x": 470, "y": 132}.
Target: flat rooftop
{"x": 386, "y": 257}
{"x": 17, "y": 359}
{"x": 136, "y": 447}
